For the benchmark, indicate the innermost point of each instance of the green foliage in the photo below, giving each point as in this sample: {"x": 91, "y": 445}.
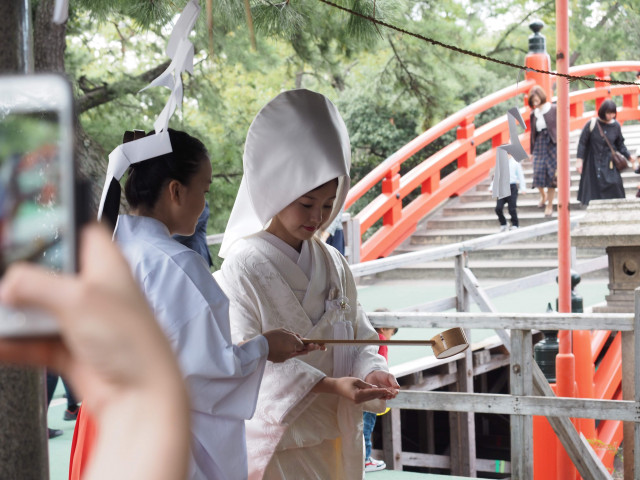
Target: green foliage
{"x": 144, "y": 13}
{"x": 390, "y": 87}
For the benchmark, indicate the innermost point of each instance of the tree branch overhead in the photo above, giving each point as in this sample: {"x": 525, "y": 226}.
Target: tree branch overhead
{"x": 107, "y": 92}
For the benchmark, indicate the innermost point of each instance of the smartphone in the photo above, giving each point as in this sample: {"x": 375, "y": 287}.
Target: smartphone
{"x": 37, "y": 186}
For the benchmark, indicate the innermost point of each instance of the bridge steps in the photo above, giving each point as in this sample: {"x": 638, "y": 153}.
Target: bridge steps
{"x": 472, "y": 215}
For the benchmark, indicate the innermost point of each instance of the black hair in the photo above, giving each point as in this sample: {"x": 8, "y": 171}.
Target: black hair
{"x": 608, "y": 106}
{"x": 333, "y": 180}
{"x": 147, "y": 178}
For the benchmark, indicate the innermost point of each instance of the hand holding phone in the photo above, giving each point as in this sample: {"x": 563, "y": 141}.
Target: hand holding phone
{"x": 37, "y": 211}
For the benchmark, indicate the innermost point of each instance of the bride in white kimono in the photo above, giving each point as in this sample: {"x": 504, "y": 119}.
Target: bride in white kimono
{"x": 277, "y": 273}
{"x": 167, "y": 195}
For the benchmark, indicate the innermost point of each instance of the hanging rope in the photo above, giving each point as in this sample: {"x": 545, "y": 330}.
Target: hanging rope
{"x": 571, "y": 78}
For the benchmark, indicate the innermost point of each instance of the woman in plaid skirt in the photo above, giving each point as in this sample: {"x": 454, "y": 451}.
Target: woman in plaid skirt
{"x": 543, "y": 147}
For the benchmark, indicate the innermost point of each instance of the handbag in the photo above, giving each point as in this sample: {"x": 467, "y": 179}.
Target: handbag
{"x": 618, "y": 159}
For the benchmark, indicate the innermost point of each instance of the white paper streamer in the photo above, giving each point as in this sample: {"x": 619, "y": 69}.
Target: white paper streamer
{"x": 133, "y": 152}
{"x": 501, "y": 175}
{"x": 60, "y": 11}
{"x": 181, "y": 52}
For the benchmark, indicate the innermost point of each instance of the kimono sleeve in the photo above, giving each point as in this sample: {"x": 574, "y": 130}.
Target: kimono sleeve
{"x": 366, "y": 357}
{"x": 223, "y": 379}
{"x": 286, "y": 387}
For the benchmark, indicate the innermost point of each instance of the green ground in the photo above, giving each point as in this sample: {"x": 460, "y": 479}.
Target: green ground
{"x": 59, "y": 447}
{"x": 391, "y": 295}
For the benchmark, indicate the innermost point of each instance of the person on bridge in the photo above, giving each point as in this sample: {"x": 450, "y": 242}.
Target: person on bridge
{"x": 543, "y": 148}
{"x": 277, "y": 272}
{"x": 516, "y": 178}
{"x": 599, "y": 178}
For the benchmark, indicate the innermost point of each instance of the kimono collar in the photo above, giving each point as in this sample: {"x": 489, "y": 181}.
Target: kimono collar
{"x": 302, "y": 259}
{"x": 142, "y": 226}
{"x": 296, "y": 143}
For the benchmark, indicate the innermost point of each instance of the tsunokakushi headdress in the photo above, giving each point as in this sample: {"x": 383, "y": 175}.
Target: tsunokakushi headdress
{"x": 296, "y": 143}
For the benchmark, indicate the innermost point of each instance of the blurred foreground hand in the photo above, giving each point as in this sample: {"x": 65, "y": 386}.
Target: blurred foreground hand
{"x": 115, "y": 355}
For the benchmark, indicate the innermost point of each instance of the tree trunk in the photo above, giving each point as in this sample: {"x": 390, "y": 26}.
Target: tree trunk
{"x": 23, "y": 413}
{"x": 48, "y": 39}
{"x": 11, "y": 37}
{"x": 49, "y": 47}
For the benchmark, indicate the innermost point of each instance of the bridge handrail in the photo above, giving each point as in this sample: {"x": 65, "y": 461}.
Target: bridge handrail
{"x": 400, "y": 220}
{"x": 424, "y": 139}
{"x": 451, "y": 250}
{"x": 529, "y": 393}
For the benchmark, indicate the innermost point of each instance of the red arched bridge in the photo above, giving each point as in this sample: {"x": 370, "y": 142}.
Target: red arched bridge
{"x": 399, "y": 220}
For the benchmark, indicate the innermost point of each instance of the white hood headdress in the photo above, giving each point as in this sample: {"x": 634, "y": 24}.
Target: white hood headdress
{"x": 296, "y": 143}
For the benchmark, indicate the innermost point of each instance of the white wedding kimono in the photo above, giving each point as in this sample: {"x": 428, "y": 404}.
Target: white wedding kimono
{"x": 296, "y": 434}
{"x": 223, "y": 379}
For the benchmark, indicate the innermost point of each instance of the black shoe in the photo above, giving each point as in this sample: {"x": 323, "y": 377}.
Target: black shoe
{"x": 54, "y": 432}
{"x": 637, "y": 170}
{"x": 70, "y": 414}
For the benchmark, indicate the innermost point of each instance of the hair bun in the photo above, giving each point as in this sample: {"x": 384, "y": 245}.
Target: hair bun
{"x": 131, "y": 135}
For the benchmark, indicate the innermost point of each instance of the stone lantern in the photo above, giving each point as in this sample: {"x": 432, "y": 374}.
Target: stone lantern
{"x": 615, "y": 225}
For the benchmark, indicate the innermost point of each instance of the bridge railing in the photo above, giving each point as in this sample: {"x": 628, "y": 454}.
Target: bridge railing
{"x": 399, "y": 221}
{"x": 530, "y": 394}
{"x": 605, "y": 382}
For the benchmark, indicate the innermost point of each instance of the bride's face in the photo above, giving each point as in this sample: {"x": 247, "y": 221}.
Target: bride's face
{"x": 301, "y": 219}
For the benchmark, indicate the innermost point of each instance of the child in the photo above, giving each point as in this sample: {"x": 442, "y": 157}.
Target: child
{"x": 516, "y": 176}
{"x": 369, "y": 418}
{"x": 277, "y": 272}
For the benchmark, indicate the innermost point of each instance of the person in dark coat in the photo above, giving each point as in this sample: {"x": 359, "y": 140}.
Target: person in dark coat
{"x": 543, "y": 147}
{"x": 599, "y": 178}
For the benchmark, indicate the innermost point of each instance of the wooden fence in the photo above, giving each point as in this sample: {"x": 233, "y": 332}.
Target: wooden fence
{"x": 530, "y": 393}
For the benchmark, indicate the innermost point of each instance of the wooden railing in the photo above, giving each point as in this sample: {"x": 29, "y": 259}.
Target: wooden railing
{"x": 607, "y": 383}
{"x": 399, "y": 221}
{"x": 526, "y": 379}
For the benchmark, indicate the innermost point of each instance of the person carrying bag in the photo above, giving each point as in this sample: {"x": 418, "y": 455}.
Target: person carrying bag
{"x": 595, "y": 157}
{"x": 617, "y": 159}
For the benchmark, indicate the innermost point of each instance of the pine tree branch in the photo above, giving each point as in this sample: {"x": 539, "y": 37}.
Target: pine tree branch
{"x": 413, "y": 83}
{"x": 107, "y": 92}
{"x": 227, "y": 176}
{"x": 612, "y": 9}
{"x": 508, "y": 32}
{"x": 252, "y": 33}
{"x": 123, "y": 39}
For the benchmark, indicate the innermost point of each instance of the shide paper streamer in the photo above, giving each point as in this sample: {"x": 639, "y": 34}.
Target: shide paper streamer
{"x": 501, "y": 186}
{"x": 60, "y": 11}
{"x": 180, "y": 50}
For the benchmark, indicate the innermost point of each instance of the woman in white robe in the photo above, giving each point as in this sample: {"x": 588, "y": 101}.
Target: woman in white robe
{"x": 167, "y": 195}
{"x": 277, "y": 273}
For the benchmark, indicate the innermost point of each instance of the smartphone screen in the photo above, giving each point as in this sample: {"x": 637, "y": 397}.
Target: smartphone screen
{"x": 36, "y": 173}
